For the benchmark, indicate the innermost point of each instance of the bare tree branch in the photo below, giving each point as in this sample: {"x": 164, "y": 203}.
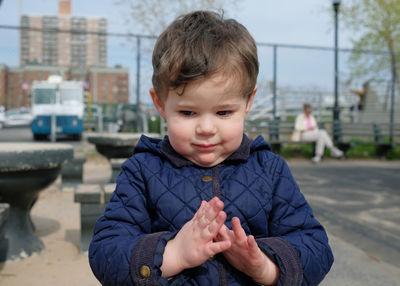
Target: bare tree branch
{"x": 152, "y": 16}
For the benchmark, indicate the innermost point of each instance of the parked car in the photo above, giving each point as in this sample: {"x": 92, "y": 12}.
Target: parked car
{"x": 18, "y": 117}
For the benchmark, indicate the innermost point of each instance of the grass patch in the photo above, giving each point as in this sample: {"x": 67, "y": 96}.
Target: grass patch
{"x": 361, "y": 150}
{"x": 293, "y": 151}
{"x": 394, "y": 154}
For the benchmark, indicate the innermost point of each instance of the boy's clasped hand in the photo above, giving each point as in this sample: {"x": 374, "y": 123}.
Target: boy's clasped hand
{"x": 206, "y": 235}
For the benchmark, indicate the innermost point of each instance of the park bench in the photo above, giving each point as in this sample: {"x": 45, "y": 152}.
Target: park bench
{"x": 385, "y": 132}
{"x": 277, "y": 133}
{"x": 92, "y": 199}
{"x": 72, "y": 170}
{"x": 116, "y": 164}
{"x": 348, "y": 135}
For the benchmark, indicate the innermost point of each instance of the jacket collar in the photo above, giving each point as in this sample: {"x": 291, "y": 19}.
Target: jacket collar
{"x": 240, "y": 155}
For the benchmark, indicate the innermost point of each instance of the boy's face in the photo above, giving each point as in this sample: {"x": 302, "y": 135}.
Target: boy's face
{"x": 205, "y": 124}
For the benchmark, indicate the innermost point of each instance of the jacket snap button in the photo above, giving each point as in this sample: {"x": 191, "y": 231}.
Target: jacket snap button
{"x": 145, "y": 271}
{"x": 206, "y": 178}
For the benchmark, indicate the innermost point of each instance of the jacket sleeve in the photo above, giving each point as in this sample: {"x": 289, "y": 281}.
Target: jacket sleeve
{"x": 297, "y": 243}
{"x": 124, "y": 251}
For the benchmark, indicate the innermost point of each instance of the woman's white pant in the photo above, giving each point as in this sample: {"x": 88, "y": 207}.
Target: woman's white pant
{"x": 321, "y": 137}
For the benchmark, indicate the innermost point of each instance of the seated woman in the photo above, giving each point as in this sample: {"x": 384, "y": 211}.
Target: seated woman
{"x": 306, "y": 126}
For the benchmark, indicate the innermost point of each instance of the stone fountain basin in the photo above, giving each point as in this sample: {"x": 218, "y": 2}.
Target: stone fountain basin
{"x": 4, "y": 213}
{"x": 30, "y": 166}
{"x": 13, "y": 185}
{"x": 25, "y": 170}
{"x": 32, "y": 156}
{"x": 116, "y": 145}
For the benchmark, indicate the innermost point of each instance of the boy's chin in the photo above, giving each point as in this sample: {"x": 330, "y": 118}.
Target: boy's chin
{"x": 207, "y": 162}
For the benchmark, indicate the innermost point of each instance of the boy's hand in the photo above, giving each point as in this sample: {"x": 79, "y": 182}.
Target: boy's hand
{"x": 245, "y": 255}
{"x": 194, "y": 243}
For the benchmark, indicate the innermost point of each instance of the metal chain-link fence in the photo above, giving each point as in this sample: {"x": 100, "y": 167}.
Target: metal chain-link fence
{"x": 289, "y": 76}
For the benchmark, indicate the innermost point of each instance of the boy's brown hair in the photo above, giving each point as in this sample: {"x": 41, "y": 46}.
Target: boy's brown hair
{"x": 200, "y": 44}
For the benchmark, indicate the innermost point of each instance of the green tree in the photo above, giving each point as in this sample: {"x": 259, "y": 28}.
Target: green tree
{"x": 151, "y": 17}
{"x": 376, "y": 27}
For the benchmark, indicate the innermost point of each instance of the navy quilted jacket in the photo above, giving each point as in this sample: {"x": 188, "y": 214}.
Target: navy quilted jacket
{"x": 158, "y": 191}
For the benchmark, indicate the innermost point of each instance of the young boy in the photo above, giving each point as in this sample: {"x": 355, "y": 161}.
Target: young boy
{"x": 207, "y": 205}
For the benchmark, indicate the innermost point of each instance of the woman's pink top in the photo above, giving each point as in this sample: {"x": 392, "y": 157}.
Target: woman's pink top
{"x": 308, "y": 122}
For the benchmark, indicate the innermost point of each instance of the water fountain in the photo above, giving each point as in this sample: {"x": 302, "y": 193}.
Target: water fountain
{"x": 25, "y": 170}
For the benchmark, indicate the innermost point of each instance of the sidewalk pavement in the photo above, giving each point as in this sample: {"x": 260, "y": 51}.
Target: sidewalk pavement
{"x": 354, "y": 267}
{"x": 358, "y": 202}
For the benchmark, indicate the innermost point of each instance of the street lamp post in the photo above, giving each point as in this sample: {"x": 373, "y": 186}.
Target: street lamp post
{"x": 336, "y": 4}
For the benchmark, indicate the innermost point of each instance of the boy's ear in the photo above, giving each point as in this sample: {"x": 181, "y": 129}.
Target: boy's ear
{"x": 251, "y": 99}
{"x": 157, "y": 103}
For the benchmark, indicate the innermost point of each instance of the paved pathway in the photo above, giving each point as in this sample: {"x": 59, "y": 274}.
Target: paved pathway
{"x": 359, "y": 204}
{"x": 355, "y": 267}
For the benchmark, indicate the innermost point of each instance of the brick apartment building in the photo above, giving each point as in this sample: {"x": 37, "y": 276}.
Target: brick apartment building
{"x": 73, "y": 47}
{"x": 21, "y": 78}
{"x": 105, "y": 84}
{"x": 109, "y": 84}
{"x": 3, "y": 84}
{"x": 63, "y": 40}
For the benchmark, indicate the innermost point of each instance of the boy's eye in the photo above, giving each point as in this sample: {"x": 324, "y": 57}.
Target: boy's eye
{"x": 224, "y": 112}
{"x": 186, "y": 112}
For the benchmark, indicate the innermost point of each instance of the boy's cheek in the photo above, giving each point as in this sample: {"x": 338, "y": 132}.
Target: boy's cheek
{"x": 177, "y": 124}
{"x": 178, "y": 132}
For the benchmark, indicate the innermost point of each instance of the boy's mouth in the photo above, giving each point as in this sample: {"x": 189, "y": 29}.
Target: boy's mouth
{"x": 205, "y": 147}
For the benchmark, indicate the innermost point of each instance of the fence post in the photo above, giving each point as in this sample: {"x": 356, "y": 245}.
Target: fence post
{"x": 274, "y": 80}
{"x": 392, "y": 97}
{"x": 138, "y": 111}
{"x": 99, "y": 119}
{"x": 336, "y": 109}
{"x": 53, "y": 118}
{"x": 53, "y": 127}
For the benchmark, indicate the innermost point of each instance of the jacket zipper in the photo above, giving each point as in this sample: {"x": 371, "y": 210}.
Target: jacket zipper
{"x": 217, "y": 193}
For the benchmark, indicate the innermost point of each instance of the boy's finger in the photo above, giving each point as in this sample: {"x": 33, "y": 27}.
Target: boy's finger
{"x": 239, "y": 231}
{"x": 200, "y": 209}
{"x": 224, "y": 233}
{"x": 219, "y": 246}
{"x": 253, "y": 246}
{"x": 211, "y": 211}
{"x": 202, "y": 206}
{"x": 216, "y": 204}
{"x": 219, "y": 221}
{"x": 215, "y": 225}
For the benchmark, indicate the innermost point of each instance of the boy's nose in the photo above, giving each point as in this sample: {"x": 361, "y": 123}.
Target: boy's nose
{"x": 206, "y": 126}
